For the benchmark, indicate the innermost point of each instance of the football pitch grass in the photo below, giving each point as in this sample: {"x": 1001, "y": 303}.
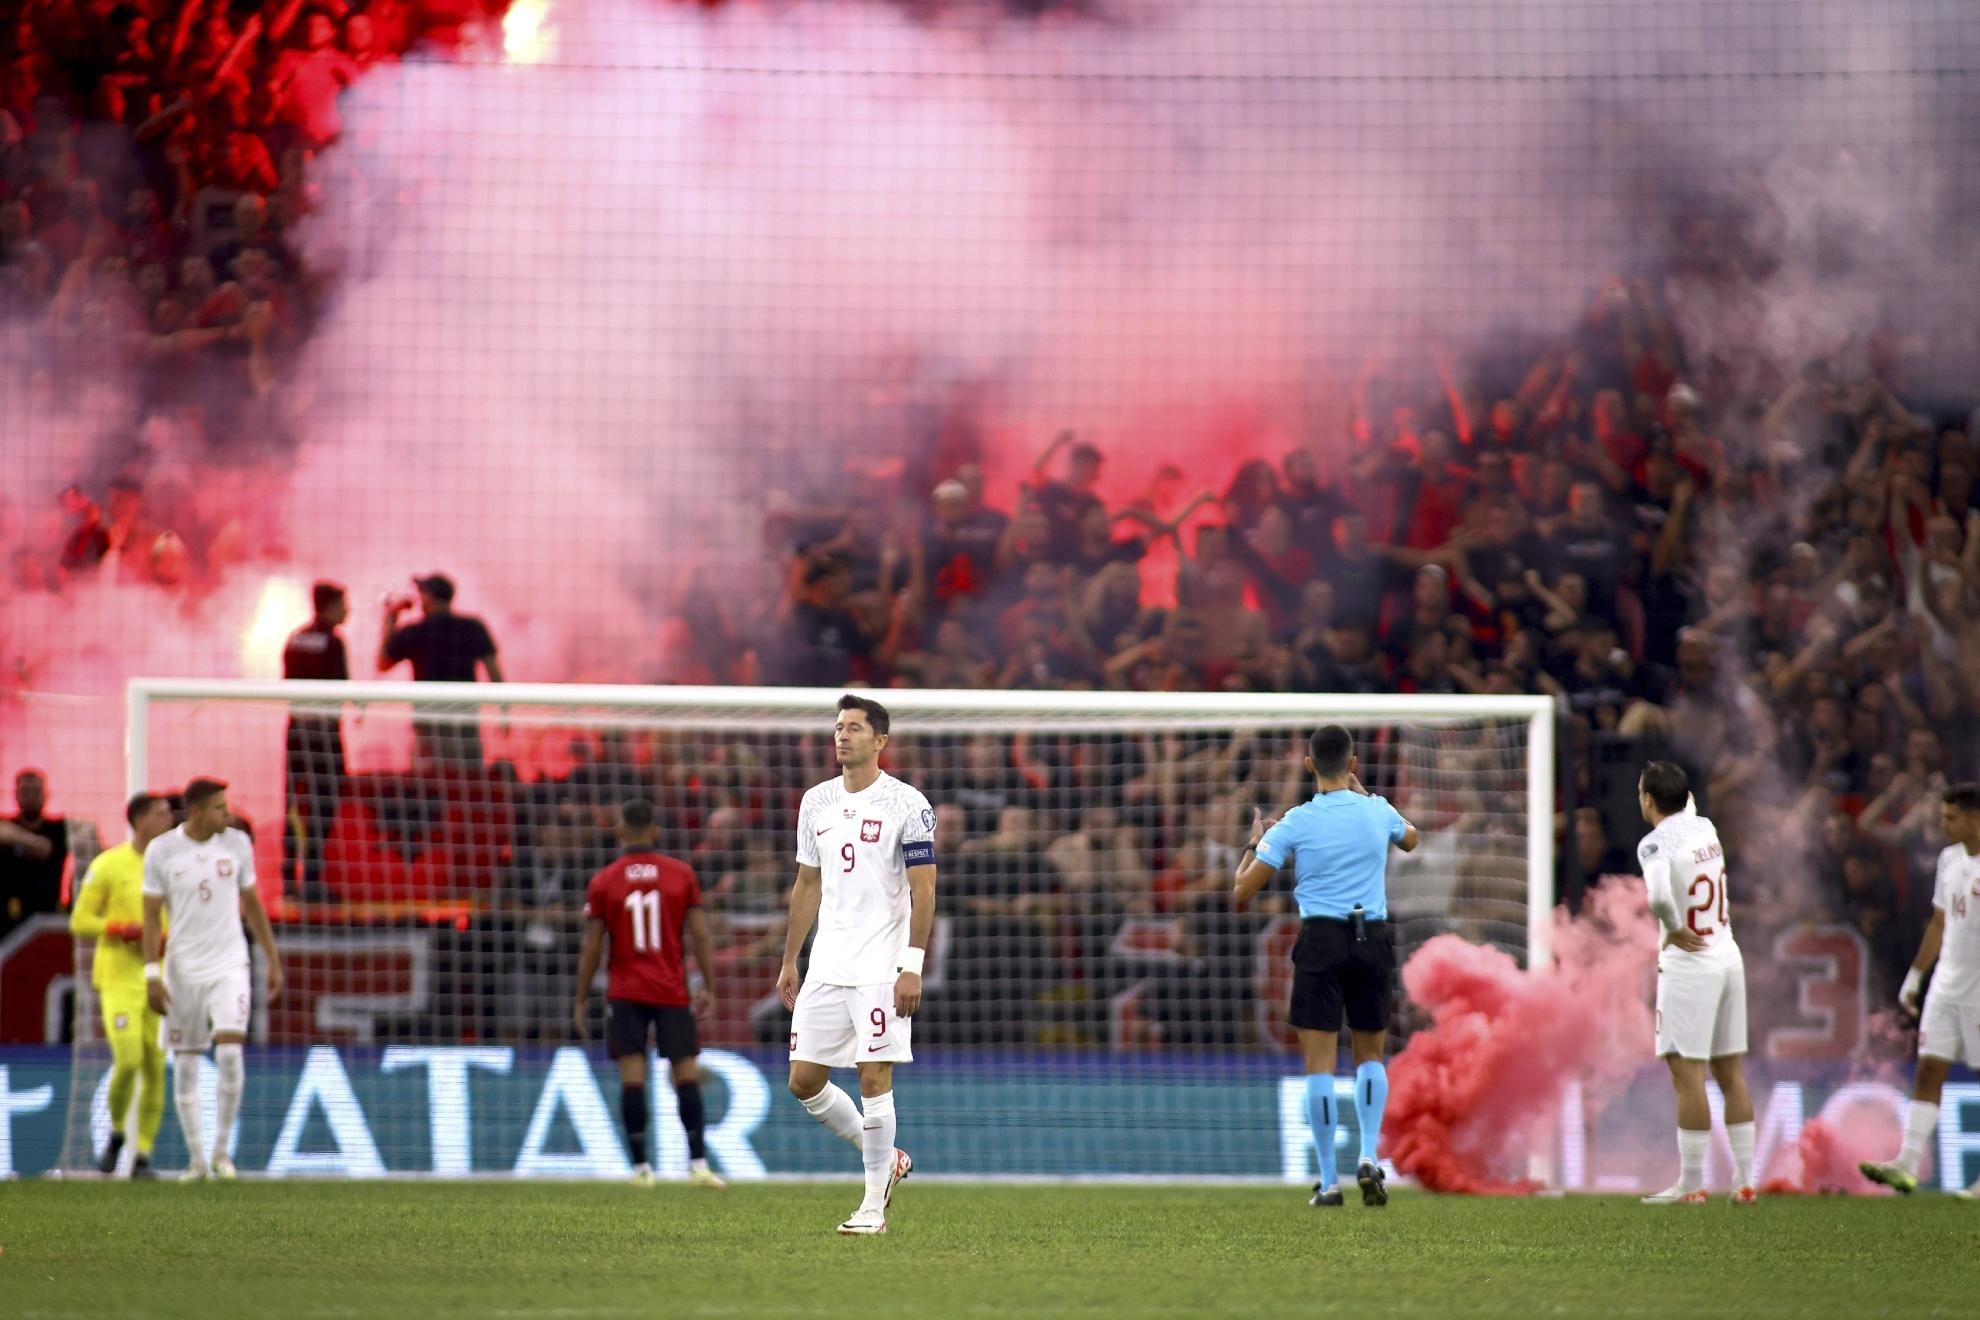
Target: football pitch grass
{"x": 296, "y": 1250}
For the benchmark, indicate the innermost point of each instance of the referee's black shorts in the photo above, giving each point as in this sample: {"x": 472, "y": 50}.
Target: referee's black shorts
{"x": 673, "y": 1031}
{"x": 1331, "y": 968}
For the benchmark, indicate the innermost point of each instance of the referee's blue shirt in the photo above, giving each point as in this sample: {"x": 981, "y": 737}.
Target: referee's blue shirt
{"x": 1339, "y": 847}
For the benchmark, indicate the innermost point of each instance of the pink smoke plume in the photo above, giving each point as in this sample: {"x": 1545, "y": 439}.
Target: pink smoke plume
{"x": 1825, "y": 1157}
{"x": 1472, "y": 1096}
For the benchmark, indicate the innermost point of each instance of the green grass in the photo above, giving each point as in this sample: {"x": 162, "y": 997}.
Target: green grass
{"x": 294, "y": 1250}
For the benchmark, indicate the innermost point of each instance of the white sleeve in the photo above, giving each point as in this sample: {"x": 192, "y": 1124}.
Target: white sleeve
{"x": 807, "y": 842}
{"x": 244, "y": 852}
{"x": 1939, "y": 878}
{"x": 154, "y": 871}
{"x": 918, "y": 821}
{"x": 1657, "y": 880}
{"x": 918, "y": 831}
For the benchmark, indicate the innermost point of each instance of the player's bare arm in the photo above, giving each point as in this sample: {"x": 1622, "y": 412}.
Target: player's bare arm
{"x": 1253, "y": 874}
{"x": 588, "y": 957}
{"x": 921, "y": 928}
{"x": 805, "y": 896}
{"x": 704, "y": 958}
{"x": 154, "y": 941}
{"x": 264, "y": 935}
{"x": 1928, "y": 956}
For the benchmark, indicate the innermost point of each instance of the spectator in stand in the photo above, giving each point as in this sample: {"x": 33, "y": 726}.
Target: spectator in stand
{"x": 958, "y": 548}
{"x": 1253, "y": 490}
{"x": 306, "y": 80}
{"x": 88, "y": 540}
{"x": 1279, "y": 569}
{"x": 443, "y": 647}
{"x": 314, "y": 756}
{"x": 1228, "y": 637}
{"x": 1095, "y": 546}
{"x": 1065, "y": 501}
{"x": 359, "y": 41}
{"x": 1308, "y": 506}
{"x": 1591, "y": 857}
{"x": 821, "y": 637}
{"x": 959, "y": 660}
{"x": 1588, "y": 543}
{"x": 34, "y": 851}
{"x": 1362, "y": 576}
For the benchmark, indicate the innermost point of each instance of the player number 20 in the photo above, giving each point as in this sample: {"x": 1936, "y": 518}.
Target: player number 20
{"x": 1714, "y": 895}
{"x": 643, "y": 905}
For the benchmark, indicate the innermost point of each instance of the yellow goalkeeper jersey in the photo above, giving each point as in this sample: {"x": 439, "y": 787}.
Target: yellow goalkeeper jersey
{"x": 113, "y": 891}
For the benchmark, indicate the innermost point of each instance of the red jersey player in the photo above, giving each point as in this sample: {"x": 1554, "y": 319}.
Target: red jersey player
{"x": 645, "y": 900}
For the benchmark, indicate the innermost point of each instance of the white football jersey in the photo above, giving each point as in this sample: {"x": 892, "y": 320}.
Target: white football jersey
{"x": 862, "y": 845}
{"x": 201, "y": 884}
{"x": 1684, "y": 867}
{"x": 1956, "y": 892}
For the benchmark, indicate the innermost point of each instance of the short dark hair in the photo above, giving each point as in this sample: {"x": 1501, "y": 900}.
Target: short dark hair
{"x": 202, "y": 791}
{"x": 1085, "y": 452}
{"x": 876, "y": 714}
{"x": 636, "y": 814}
{"x": 1667, "y": 785}
{"x": 325, "y": 594}
{"x": 1962, "y": 797}
{"x": 138, "y": 805}
{"x": 1331, "y": 748}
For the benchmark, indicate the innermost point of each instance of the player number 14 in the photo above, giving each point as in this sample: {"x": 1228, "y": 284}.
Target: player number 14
{"x": 1714, "y": 894}
{"x": 643, "y": 906}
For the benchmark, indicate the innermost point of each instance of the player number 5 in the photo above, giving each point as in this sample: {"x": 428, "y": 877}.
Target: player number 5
{"x": 1714, "y": 895}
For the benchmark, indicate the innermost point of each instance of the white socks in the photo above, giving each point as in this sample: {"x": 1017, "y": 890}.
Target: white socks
{"x": 835, "y": 1109}
{"x": 877, "y": 1148}
{"x": 185, "y": 1088}
{"x": 1740, "y": 1137}
{"x": 1691, "y": 1157}
{"x": 1920, "y": 1125}
{"x": 233, "y": 1078}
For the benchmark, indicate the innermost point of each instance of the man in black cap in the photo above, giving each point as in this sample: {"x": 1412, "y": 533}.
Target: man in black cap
{"x": 444, "y": 647}
{"x": 315, "y": 759}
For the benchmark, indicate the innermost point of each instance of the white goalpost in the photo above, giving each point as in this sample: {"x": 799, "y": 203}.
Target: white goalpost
{"x": 1090, "y": 990}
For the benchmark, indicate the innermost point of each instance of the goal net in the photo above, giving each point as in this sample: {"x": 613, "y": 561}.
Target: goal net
{"x": 424, "y": 853}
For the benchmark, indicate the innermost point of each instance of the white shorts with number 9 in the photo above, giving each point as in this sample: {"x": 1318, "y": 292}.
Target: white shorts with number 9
{"x": 1701, "y": 1009}
{"x": 202, "y": 1008}
{"x": 842, "y": 1025}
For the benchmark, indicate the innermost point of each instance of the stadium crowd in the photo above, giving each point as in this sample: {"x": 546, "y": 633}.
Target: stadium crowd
{"x": 1774, "y": 581}
{"x": 154, "y": 158}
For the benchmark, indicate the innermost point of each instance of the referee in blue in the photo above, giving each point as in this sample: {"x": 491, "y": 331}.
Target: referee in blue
{"x": 1337, "y": 844}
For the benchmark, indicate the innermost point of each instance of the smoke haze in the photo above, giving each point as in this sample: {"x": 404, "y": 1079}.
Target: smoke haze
{"x": 587, "y": 315}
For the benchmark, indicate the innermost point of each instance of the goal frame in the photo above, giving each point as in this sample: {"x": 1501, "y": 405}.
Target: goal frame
{"x": 799, "y": 706}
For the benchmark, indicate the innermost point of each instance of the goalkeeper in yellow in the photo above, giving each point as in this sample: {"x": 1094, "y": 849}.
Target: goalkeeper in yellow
{"x": 110, "y": 910}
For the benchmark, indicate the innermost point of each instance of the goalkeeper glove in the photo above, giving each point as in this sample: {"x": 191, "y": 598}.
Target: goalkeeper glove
{"x": 1908, "y": 992}
{"x": 129, "y": 932}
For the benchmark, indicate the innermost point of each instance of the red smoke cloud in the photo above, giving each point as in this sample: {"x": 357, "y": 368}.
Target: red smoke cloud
{"x": 1825, "y": 1160}
{"x": 1474, "y": 1094}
